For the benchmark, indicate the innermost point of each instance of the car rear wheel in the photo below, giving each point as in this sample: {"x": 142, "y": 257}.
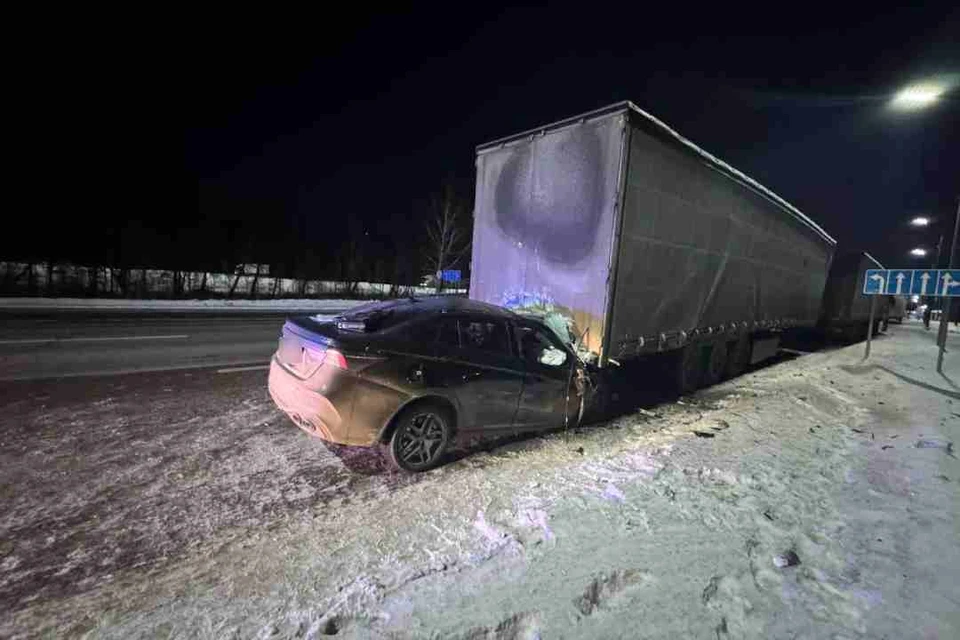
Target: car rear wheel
{"x": 421, "y": 437}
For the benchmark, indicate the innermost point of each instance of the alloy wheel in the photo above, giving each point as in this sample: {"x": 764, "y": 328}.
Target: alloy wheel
{"x": 422, "y": 440}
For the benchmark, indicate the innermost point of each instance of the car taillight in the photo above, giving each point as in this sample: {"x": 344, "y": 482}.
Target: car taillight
{"x": 334, "y": 357}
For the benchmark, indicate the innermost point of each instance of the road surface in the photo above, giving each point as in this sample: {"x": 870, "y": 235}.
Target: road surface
{"x": 40, "y": 346}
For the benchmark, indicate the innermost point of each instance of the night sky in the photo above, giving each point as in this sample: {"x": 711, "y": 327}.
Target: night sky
{"x": 304, "y": 128}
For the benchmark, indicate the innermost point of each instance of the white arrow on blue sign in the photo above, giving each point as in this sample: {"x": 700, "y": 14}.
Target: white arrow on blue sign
{"x": 899, "y": 281}
{"x": 948, "y": 284}
{"x": 875, "y": 281}
{"x": 924, "y": 282}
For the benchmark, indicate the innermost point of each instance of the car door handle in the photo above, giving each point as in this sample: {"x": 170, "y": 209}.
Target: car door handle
{"x": 473, "y": 375}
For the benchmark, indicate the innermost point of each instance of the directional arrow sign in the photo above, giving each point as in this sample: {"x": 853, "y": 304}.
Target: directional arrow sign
{"x": 899, "y": 281}
{"x": 924, "y": 282}
{"x": 949, "y": 283}
{"x": 875, "y": 281}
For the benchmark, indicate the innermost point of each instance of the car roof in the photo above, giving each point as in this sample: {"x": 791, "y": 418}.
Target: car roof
{"x": 435, "y": 304}
{"x": 450, "y": 304}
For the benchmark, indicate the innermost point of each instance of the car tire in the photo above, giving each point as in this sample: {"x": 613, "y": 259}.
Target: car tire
{"x": 423, "y": 433}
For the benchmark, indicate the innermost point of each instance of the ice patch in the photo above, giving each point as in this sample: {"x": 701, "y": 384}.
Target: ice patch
{"x": 536, "y": 518}
{"x": 489, "y": 532}
{"x": 613, "y": 494}
{"x": 870, "y": 597}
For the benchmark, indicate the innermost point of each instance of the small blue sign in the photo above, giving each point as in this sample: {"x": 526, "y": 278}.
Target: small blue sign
{"x": 899, "y": 281}
{"x": 924, "y": 282}
{"x": 948, "y": 283}
{"x": 450, "y": 275}
{"x": 875, "y": 282}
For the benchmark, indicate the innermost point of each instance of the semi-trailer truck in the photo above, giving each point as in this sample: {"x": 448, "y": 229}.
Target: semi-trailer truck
{"x": 845, "y": 310}
{"x": 632, "y": 241}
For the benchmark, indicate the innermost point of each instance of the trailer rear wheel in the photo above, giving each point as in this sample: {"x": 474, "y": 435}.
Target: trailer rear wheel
{"x": 689, "y": 368}
{"x": 738, "y": 356}
{"x": 716, "y": 364}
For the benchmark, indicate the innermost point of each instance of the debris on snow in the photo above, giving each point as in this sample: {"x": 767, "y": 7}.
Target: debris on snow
{"x": 936, "y": 444}
{"x": 786, "y": 559}
{"x": 605, "y": 587}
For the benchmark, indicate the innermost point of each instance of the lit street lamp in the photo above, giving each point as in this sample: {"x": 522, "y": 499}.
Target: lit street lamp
{"x": 913, "y": 97}
{"x": 917, "y": 96}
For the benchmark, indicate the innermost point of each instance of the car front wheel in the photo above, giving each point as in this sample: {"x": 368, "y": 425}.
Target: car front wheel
{"x": 421, "y": 437}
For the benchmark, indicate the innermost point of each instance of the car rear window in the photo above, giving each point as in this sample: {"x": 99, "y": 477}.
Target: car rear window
{"x": 377, "y": 316}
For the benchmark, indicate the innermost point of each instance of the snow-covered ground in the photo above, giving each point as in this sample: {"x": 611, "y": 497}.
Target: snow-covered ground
{"x": 118, "y": 304}
{"x": 817, "y": 498}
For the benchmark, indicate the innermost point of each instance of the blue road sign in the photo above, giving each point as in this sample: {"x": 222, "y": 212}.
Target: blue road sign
{"x": 898, "y": 282}
{"x": 450, "y": 275}
{"x": 875, "y": 281}
{"x": 948, "y": 283}
{"x": 917, "y": 282}
{"x": 924, "y": 282}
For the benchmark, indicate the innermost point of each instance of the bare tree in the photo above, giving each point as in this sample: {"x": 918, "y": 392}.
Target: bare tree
{"x": 448, "y": 233}
{"x": 237, "y": 272}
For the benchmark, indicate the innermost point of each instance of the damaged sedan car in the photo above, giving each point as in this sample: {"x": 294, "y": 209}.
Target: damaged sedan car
{"x": 411, "y": 374}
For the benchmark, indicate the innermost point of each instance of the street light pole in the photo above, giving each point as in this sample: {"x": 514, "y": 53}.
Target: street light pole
{"x": 945, "y": 313}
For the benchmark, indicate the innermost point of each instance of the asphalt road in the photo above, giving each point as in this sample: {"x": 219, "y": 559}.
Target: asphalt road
{"x": 41, "y": 346}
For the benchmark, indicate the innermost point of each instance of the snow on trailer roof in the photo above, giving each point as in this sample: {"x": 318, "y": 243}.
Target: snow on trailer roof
{"x": 662, "y": 127}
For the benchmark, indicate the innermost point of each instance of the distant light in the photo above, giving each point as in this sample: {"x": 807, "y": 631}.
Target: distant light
{"x": 917, "y": 96}
{"x": 918, "y": 252}
{"x": 920, "y": 221}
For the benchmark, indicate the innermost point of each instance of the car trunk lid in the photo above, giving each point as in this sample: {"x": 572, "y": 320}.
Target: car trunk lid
{"x": 308, "y": 342}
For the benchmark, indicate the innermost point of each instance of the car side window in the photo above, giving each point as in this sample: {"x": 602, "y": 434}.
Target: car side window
{"x": 485, "y": 335}
{"x": 448, "y": 335}
{"x": 419, "y": 332}
{"x": 537, "y": 348}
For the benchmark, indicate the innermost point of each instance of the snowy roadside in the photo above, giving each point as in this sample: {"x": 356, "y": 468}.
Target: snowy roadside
{"x": 815, "y": 498}
{"x": 117, "y": 304}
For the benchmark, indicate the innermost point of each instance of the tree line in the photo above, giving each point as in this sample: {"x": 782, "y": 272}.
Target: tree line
{"x": 226, "y": 234}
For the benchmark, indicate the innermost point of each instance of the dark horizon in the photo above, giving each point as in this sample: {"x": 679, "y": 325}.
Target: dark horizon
{"x": 292, "y": 142}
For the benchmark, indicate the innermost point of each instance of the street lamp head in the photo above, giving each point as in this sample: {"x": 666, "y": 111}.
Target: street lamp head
{"x": 917, "y": 96}
{"x": 918, "y": 252}
{"x": 920, "y": 221}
